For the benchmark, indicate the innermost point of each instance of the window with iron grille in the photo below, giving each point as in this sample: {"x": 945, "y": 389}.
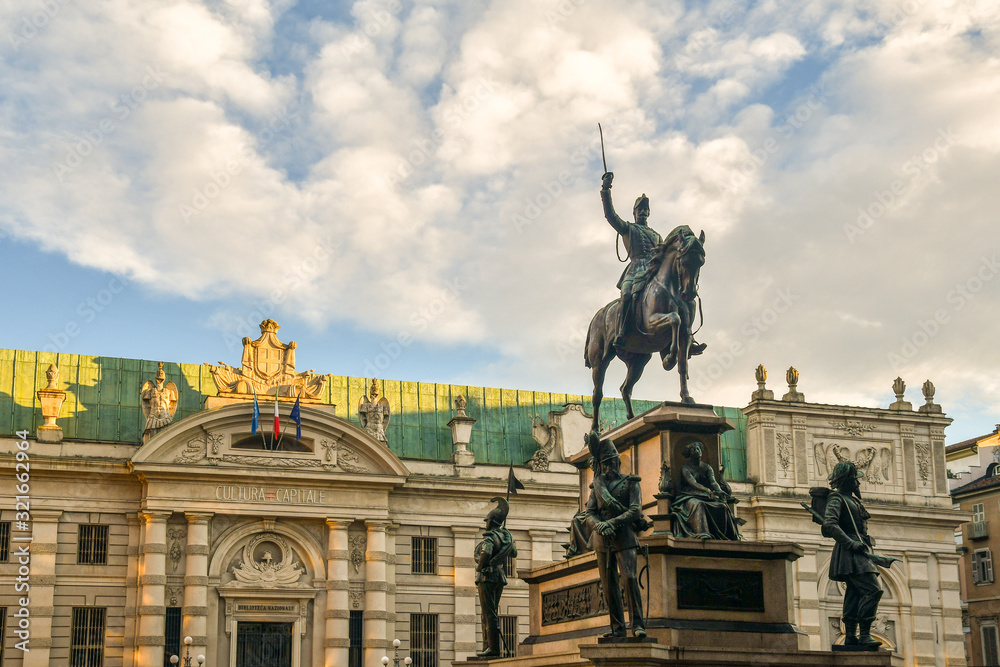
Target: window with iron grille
{"x": 982, "y": 566}
{"x": 87, "y": 633}
{"x": 172, "y": 635}
{"x": 3, "y": 630}
{"x": 510, "y": 566}
{"x": 92, "y": 547}
{"x": 991, "y": 649}
{"x": 4, "y": 541}
{"x": 508, "y": 630}
{"x": 424, "y": 640}
{"x": 355, "y": 631}
{"x": 423, "y": 555}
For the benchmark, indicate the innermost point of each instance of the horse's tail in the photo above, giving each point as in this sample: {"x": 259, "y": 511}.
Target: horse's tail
{"x": 586, "y": 345}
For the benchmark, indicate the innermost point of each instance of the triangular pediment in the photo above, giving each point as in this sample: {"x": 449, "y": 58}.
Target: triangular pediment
{"x": 215, "y": 440}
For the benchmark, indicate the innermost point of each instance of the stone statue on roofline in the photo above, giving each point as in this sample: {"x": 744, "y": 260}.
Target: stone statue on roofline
{"x": 373, "y": 412}
{"x": 268, "y": 369}
{"x": 159, "y": 402}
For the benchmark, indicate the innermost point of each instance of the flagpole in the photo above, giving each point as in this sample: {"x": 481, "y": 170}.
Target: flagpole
{"x": 257, "y": 408}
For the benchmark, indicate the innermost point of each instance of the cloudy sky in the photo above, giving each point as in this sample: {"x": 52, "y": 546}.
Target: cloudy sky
{"x": 411, "y": 188}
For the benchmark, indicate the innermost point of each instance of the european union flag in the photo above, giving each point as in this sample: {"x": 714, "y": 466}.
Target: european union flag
{"x": 256, "y": 415}
{"x": 296, "y": 416}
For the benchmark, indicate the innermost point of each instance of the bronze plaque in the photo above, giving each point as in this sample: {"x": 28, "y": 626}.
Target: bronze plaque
{"x": 722, "y": 590}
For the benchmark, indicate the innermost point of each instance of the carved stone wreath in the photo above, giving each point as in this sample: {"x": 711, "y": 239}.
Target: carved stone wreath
{"x": 852, "y": 427}
{"x": 269, "y": 571}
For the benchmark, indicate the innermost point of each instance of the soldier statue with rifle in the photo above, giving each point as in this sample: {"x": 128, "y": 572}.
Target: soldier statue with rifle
{"x": 854, "y": 561}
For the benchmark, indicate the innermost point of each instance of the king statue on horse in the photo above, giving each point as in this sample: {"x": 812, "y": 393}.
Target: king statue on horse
{"x": 640, "y": 240}
{"x": 657, "y": 308}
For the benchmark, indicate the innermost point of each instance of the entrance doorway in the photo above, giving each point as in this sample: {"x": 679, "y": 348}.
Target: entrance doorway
{"x": 263, "y": 644}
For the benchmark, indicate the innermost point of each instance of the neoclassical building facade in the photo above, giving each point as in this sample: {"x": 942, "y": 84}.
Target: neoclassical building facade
{"x": 361, "y": 529}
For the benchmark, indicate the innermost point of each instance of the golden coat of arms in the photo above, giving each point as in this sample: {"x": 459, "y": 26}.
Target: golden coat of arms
{"x": 268, "y": 368}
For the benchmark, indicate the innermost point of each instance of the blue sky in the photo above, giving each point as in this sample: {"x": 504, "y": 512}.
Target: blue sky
{"x": 380, "y": 171}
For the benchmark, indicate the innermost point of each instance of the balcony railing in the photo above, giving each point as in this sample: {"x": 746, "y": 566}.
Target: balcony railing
{"x": 978, "y": 530}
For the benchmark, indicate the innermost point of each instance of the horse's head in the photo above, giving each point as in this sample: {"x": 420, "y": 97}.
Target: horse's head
{"x": 687, "y": 265}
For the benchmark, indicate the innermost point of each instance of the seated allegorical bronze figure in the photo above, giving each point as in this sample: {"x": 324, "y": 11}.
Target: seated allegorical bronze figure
{"x": 700, "y": 505}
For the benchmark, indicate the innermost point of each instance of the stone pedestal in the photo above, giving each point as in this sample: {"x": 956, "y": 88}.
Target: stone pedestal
{"x": 710, "y": 602}
{"x": 701, "y": 593}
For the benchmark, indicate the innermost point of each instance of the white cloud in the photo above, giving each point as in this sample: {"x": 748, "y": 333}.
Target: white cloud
{"x": 446, "y": 154}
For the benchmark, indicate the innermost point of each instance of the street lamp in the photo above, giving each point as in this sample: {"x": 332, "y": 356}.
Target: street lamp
{"x": 187, "y": 655}
{"x": 395, "y": 656}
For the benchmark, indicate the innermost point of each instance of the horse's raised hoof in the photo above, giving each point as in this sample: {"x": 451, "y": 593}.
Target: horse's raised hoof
{"x": 670, "y": 362}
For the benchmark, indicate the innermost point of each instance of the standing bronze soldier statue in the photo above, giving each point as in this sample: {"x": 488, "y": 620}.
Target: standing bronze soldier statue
{"x": 615, "y": 510}
{"x": 640, "y": 241}
{"x": 496, "y": 546}
{"x": 854, "y": 561}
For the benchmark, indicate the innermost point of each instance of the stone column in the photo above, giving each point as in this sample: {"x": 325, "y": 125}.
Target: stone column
{"x": 337, "y": 640}
{"x": 195, "y": 611}
{"x": 42, "y": 571}
{"x": 806, "y": 596}
{"x": 152, "y": 580}
{"x": 541, "y": 547}
{"x": 390, "y": 578}
{"x": 466, "y": 618}
{"x": 132, "y": 588}
{"x": 376, "y": 614}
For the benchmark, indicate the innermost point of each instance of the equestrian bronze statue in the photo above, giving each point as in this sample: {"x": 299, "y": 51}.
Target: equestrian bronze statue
{"x": 656, "y": 310}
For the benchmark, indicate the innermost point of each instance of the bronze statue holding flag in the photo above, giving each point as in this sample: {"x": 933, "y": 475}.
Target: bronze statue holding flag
{"x": 490, "y": 555}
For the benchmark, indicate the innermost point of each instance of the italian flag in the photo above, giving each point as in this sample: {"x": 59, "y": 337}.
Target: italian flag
{"x": 277, "y": 428}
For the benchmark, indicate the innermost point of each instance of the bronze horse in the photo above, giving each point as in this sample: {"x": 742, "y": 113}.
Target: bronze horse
{"x": 663, "y": 317}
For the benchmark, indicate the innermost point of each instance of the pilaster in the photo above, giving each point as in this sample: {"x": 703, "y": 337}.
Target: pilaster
{"x": 337, "y": 642}
{"x": 195, "y": 611}
{"x": 42, "y": 549}
{"x": 152, "y": 580}
{"x": 541, "y": 547}
{"x": 376, "y": 643}
{"x": 465, "y": 586}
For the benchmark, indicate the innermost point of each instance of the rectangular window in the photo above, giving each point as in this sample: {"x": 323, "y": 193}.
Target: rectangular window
{"x": 3, "y": 631}
{"x": 508, "y": 631}
{"x": 92, "y": 547}
{"x": 423, "y": 555}
{"x": 355, "y": 631}
{"x": 510, "y": 567}
{"x": 424, "y": 640}
{"x": 991, "y": 651}
{"x": 982, "y": 566}
{"x": 4, "y": 541}
{"x": 87, "y": 636}
{"x": 978, "y": 513}
{"x": 172, "y": 635}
